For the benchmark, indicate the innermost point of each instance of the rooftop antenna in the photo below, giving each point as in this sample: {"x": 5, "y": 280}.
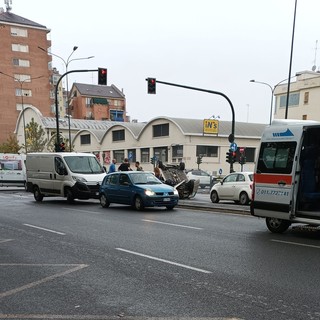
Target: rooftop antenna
{"x": 8, "y": 3}
{"x": 314, "y": 67}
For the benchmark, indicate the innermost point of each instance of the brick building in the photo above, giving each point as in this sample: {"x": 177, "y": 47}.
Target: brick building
{"x": 25, "y": 71}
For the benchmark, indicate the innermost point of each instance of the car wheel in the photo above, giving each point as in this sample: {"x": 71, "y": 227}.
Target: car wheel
{"x": 243, "y": 199}
{"x": 104, "y": 201}
{"x": 169, "y": 207}
{"x": 69, "y": 195}
{"x": 37, "y": 194}
{"x": 277, "y": 225}
{"x": 138, "y": 203}
{"x": 214, "y": 197}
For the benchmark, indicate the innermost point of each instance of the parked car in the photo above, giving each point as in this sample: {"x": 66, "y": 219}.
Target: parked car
{"x": 138, "y": 189}
{"x": 204, "y": 177}
{"x": 236, "y": 186}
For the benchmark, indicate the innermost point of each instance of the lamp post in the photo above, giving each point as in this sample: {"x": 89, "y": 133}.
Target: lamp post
{"x": 272, "y": 93}
{"x": 66, "y": 63}
{"x": 21, "y": 82}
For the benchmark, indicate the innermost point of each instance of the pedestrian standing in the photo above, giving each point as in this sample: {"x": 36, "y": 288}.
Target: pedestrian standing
{"x": 125, "y": 165}
{"x": 137, "y": 165}
{"x": 112, "y": 167}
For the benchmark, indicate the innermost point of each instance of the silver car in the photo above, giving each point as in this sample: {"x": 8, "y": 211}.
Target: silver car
{"x": 236, "y": 186}
{"x": 204, "y": 177}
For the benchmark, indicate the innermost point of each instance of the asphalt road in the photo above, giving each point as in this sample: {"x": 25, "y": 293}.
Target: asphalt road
{"x": 80, "y": 261}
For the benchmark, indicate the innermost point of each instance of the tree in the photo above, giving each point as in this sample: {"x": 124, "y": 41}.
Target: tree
{"x": 11, "y": 145}
{"x": 35, "y": 137}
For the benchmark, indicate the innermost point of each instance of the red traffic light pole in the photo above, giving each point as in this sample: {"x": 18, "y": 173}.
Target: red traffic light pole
{"x": 231, "y": 136}
{"x": 56, "y": 103}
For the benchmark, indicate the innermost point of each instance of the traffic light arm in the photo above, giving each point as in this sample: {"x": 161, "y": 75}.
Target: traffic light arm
{"x": 56, "y": 101}
{"x": 208, "y": 91}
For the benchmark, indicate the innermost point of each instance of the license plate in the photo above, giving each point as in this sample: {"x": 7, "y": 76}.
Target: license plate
{"x": 166, "y": 199}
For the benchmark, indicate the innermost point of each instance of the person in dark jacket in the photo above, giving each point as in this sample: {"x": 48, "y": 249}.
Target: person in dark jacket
{"x": 125, "y": 165}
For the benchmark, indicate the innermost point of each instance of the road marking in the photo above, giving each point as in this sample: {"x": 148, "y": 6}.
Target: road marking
{"x": 172, "y": 224}
{"x": 5, "y": 240}
{"x": 297, "y": 244}
{"x": 163, "y": 260}
{"x": 85, "y": 211}
{"x": 44, "y": 229}
{"x": 46, "y": 279}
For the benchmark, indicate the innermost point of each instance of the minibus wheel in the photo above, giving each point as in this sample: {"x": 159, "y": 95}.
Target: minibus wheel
{"x": 276, "y": 225}
{"x": 69, "y": 195}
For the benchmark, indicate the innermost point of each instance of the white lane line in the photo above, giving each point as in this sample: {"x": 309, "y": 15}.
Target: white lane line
{"x": 85, "y": 211}
{"x": 297, "y": 244}
{"x": 163, "y": 260}
{"x": 44, "y": 229}
{"x": 172, "y": 224}
{"x": 5, "y": 240}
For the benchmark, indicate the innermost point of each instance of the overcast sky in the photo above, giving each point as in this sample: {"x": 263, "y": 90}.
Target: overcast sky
{"x": 210, "y": 44}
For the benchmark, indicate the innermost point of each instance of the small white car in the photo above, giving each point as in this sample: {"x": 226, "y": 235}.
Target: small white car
{"x": 236, "y": 186}
{"x": 203, "y": 177}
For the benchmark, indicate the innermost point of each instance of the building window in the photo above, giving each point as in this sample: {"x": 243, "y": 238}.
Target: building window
{"x": 177, "y": 151}
{"x": 20, "y": 47}
{"x": 293, "y": 100}
{"x": 161, "y": 153}
{"x": 17, "y": 32}
{"x": 306, "y": 98}
{"x": 25, "y": 93}
{"x": 88, "y": 102}
{"x": 21, "y": 63}
{"x": 304, "y": 117}
{"x": 207, "y": 151}
{"x": 118, "y": 135}
{"x": 132, "y": 155}
{"x": 116, "y": 115}
{"x": 145, "y": 155}
{"x": 22, "y": 77}
{"x": 85, "y": 139}
{"x": 118, "y": 155}
{"x": 161, "y": 130}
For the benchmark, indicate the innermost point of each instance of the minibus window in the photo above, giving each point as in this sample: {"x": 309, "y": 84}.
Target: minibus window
{"x": 276, "y": 157}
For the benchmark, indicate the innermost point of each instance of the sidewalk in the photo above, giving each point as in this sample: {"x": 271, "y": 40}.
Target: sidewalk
{"x": 202, "y": 200}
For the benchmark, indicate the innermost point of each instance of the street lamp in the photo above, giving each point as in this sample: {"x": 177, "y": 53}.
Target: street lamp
{"x": 66, "y": 63}
{"x": 21, "y": 82}
{"x": 272, "y": 92}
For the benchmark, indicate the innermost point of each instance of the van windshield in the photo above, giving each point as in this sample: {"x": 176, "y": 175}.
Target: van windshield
{"x": 82, "y": 164}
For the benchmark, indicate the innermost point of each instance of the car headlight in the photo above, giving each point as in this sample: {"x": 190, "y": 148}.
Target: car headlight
{"x": 175, "y": 191}
{"x": 149, "y": 193}
{"x": 79, "y": 179}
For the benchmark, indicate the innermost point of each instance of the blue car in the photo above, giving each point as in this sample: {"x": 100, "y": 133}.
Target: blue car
{"x": 138, "y": 189}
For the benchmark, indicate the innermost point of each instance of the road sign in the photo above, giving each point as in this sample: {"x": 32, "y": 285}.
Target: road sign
{"x": 220, "y": 171}
{"x": 233, "y": 146}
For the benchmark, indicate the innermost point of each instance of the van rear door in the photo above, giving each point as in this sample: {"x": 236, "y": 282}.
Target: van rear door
{"x": 274, "y": 177}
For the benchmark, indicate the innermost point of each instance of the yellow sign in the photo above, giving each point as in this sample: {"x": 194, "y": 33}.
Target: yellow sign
{"x": 210, "y": 126}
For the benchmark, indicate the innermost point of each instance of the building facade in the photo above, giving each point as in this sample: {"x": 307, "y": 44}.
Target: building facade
{"x": 304, "y": 97}
{"x": 171, "y": 140}
{"x": 97, "y": 102}
{"x": 25, "y": 71}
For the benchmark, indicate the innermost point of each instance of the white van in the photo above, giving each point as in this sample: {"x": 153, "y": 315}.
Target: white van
{"x": 12, "y": 170}
{"x": 66, "y": 174}
{"x": 286, "y": 186}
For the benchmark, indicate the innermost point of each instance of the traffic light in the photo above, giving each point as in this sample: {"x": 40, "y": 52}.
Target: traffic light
{"x": 242, "y": 159}
{"x": 152, "y": 85}
{"x": 228, "y": 157}
{"x": 152, "y": 160}
{"x": 62, "y": 147}
{"x": 102, "y": 76}
{"x": 233, "y": 157}
{"x": 199, "y": 159}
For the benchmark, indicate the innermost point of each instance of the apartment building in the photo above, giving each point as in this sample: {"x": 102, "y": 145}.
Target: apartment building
{"x": 25, "y": 71}
{"x": 304, "y": 97}
{"x": 97, "y": 102}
